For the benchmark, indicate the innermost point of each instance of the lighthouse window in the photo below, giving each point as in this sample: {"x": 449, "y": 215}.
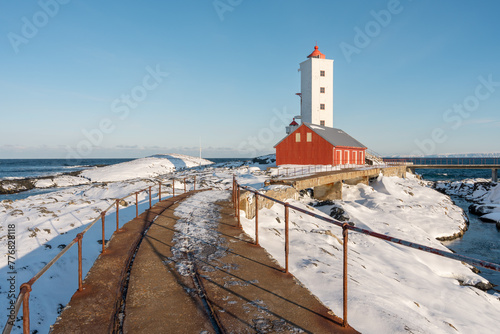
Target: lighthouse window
{"x": 322, "y": 106}
{"x": 321, "y": 73}
{"x": 309, "y": 137}
{"x": 297, "y": 137}
{"x": 322, "y": 123}
{"x": 321, "y": 89}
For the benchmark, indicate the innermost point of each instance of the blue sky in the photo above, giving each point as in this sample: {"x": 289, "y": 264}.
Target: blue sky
{"x": 130, "y": 79}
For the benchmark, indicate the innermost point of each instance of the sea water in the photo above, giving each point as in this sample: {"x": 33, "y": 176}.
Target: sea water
{"x": 26, "y": 168}
{"x": 33, "y": 168}
{"x": 482, "y": 240}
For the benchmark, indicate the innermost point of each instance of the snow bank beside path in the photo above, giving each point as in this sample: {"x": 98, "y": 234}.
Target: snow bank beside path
{"x": 392, "y": 288}
{"x": 143, "y": 168}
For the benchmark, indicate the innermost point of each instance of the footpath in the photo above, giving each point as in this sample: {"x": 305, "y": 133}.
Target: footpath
{"x": 233, "y": 286}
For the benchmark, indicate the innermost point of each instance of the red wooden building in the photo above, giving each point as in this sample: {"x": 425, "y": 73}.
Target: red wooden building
{"x": 312, "y": 144}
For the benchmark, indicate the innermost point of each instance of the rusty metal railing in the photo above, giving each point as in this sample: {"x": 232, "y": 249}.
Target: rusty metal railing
{"x": 294, "y": 171}
{"x": 345, "y": 229}
{"x": 446, "y": 161}
{"x": 26, "y": 288}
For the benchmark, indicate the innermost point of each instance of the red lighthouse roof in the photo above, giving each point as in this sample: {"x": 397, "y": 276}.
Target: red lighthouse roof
{"x": 316, "y": 54}
{"x": 294, "y": 123}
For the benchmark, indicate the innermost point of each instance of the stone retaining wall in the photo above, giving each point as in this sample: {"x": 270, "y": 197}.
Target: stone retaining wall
{"x": 247, "y": 199}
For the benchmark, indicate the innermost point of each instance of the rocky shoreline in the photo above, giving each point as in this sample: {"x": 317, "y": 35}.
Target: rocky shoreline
{"x": 14, "y": 186}
{"x": 480, "y": 193}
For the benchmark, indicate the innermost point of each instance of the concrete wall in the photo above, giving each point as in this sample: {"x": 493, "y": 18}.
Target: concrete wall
{"x": 329, "y": 186}
{"x": 247, "y": 199}
{"x": 330, "y": 191}
{"x": 326, "y": 187}
{"x": 399, "y": 171}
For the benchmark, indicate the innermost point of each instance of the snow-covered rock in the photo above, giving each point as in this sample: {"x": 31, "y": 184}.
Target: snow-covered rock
{"x": 484, "y": 193}
{"x": 60, "y": 181}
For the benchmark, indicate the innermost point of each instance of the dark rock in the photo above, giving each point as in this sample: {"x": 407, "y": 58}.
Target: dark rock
{"x": 480, "y": 209}
{"x": 264, "y": 160}
{"x": 475, "y": 270}
{"x": 339, "y": 214}
{"x": 15, "y": 186}
{"x": 488, "y": 220}
{"x": 481, "y": 285}
{"x": 308, "y": 193}
{"x": 19, "y": 185}
{"x": 322, "y": 203}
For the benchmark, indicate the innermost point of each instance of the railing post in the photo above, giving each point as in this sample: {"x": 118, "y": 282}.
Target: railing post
{"x": 79, "y": 238}
{"x": 238, "y": 194}
{"x": 103, "y": 215}
{"x": 256, "y": 219}
{"x": 235, "y": 196}
{"x": 345, "y": 234}
{"x": 26, "y": 307}
{"x": 159, "y": 191}
{"x": 184, "y": 185}
{"x": 287, "y": 237}
{"x": 173, "y": 187}
{"x": 150, "y": 197}
{"x": 117, "y": 214}
{"x": 136, "y": 205}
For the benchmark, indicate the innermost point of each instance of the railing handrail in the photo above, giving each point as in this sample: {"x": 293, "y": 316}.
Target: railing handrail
{"x": 23, "y": 288}
{"x": 461, "y": 161}
{"x": 454, "y": 256}
{"x": 346, "y": 226}
{"x": 303, "y": 170}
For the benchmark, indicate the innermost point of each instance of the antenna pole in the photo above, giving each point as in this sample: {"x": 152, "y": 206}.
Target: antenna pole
{"x": 200, "y": 150}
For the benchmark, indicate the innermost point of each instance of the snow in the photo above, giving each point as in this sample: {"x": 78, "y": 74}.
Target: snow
{"x": 391, "y": 288}
{"x": 493, "y": 195}
{"x": 197, "y": 229}
{"x": 143, "y": 168}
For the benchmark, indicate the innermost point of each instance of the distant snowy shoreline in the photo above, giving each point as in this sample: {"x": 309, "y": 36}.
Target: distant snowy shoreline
{"x": 139, "y": 168}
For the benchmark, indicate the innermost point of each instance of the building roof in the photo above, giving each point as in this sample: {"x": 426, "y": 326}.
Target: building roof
{"x": 316, "y": 54}
{"x": 336, "y": 137}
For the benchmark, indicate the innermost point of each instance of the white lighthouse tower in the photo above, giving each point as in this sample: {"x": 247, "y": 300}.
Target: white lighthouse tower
{"x": 316, "y": 89}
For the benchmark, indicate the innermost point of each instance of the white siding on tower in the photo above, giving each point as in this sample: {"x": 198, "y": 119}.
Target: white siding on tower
{"x": 312, "y": 98}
